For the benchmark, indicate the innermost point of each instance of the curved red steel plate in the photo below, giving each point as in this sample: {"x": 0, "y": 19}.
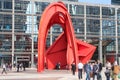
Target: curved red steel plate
{"x": 66, "y": 49}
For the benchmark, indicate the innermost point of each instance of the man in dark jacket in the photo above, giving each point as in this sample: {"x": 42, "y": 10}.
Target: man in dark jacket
{"x": 95, "y": 70}
{"x": 73, "y": 68}
{"x": 58, "y": 66}
{"x": 24, "y": 66}
{"x": 87, "y": 69}
{"x": 18, "y": 66}
{"x": 99, "y": 70}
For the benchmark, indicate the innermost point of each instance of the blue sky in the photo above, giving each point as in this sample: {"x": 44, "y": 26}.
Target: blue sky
{"x": 96, "y": 1}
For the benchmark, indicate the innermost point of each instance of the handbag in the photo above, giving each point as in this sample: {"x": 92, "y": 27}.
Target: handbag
{"x": 91, "y": 74}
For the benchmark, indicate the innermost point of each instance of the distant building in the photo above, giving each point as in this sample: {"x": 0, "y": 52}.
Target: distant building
{"x": 116, "y": 2}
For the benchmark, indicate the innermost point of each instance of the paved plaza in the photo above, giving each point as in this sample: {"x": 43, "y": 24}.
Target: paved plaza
{"x": 32, "y": 74}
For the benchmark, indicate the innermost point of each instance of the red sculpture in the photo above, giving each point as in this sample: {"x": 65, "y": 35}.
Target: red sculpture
{"x": 66, "y": 49}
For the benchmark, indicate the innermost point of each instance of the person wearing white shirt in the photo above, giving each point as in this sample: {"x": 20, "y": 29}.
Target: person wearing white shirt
{"x": 4, "y": 69}
{"x": 80, "y": 68}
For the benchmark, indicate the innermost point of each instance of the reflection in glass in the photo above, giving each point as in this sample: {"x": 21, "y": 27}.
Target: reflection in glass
{"x": 93, "y": 11}
{"x": 78, "y": 25}
{"x": 5, "y": 42}
{"x": 108, "y": 12}
{"x": 31, "y": 21}
{"x": 40, "y": 6}
{"x": 108, "y": 27}
{"x": 76, "y": 9}
{"x": 0, "y": 5}
{"x": 7, "y": 4}
{"x": 21, "y": 6}
{"x": 22, "y": 43}
{"x": 5, "y": 22}
{"x": 93, "y": 27}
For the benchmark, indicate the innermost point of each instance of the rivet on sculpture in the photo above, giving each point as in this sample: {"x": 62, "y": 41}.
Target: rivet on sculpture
{"x": 66, "y": 49}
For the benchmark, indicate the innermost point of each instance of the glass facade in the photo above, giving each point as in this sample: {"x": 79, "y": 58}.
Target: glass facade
{"x": 116, "y": 2}
{"x": 98, "y": 25}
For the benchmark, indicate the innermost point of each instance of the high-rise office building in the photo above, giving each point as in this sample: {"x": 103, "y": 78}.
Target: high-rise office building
{"x": 115, "y": 2}
{"x": 98, "y": 25}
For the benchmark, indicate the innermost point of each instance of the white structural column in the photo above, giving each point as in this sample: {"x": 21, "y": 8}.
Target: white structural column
{"x": 32, "y": 54}
{"x": 116, "y": 33}
{"x": 85, "y": 29}
{"x": 100, "y": 41}
{"x": 51, "y": 36}
{"x": 13, "y": 26}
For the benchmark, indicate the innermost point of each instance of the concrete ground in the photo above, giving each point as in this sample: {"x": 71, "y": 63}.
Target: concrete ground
{"x": 32, "y": 74}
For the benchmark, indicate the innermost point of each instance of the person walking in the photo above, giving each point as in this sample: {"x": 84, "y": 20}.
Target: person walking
{"x": 4, "y": 69}
{"x": 87, "y": 70}
{"x": 99, "y": 70}
{"x": 18, "y": 66}
{"x": 107, "y": 74}
{"x": 58, "y": 66}
{"x": 108, "y": 70}
{"x": 73, "y": 68}
{"x": 24, "y": 66}
{"x": 80, "y": 68}
{"x": 116, "y": 70}
{"x": 91, "y": 66}
{"x": 95, "y": 71}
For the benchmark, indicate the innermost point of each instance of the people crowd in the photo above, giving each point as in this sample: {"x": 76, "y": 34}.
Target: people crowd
{"x": 8, "y": 67}
{"x": 21, "y": 66}
{"x": 93, "y": 70}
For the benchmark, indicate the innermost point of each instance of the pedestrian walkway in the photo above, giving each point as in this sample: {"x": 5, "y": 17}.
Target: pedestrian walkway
{"x": 32, "y": 74}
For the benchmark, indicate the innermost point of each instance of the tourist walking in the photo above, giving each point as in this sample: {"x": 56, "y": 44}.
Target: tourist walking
{"x": 24, "y": 66}
{"x": 91, "y": 66}
{"x": 107, "y": 74}
{"x": 21, "y": 66}
{"x": 95, "y": 71}
{"x": 108, "y": 70}
{"x": 18, "y": 66}
{"x": 80, "y": 68}
{"x": 87, "y": 70}
{"x": 116, "y": 70}
{"x": 73, "y": 68}
{"x": 99, "y": 70}
{"x": 58, "y": 66}
{"x": 4, "y": 69}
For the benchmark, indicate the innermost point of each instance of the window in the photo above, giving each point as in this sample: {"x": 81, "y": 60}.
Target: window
{"x": 7, "y": 5}
{"x": 0, "y": 5}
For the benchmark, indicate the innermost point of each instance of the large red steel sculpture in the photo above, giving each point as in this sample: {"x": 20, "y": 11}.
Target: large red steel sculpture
{"x": 66, "y": 49}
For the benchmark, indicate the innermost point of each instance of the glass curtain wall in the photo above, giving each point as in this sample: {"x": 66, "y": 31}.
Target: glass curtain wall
{"x": 109, "y": 33}
{"x": 5, "y": 31}
{"x": 95, "y": 24}
{"x": 27, "y": 17}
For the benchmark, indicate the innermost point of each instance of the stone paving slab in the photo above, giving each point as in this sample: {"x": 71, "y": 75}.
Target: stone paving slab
{"x": 32, "y": 74}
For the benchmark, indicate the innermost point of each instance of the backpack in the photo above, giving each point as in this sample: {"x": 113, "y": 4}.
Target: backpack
{"x": 95, "y": 68}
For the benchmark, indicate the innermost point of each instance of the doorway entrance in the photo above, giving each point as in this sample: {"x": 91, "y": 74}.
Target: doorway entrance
{"x": 23, "y": 59}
